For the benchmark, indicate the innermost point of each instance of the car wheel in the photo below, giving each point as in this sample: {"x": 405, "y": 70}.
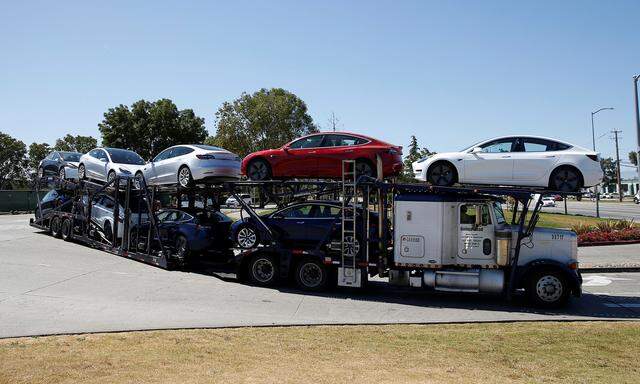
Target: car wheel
{"x": 263, "y": 270}
{"x": 364, "y": 168}
{"x": 40, "y": 172}
{"x": 54, "y": 226}
{"x": 442, "y": 174}
{"x": 111, "y": 176}
{"x": 259, "y": 170}
{"x": 311, "y": 275}
{"x": 66, "y": 229}
{"x": 247, "y": 237}
{"x": 548, "y": 288}
{"x": 82, "y": 174}
{"x": 351, "y": 247}
{"x": 566, "y": 179}
{"x": 184, "y": 177}
{"x": 108, "y": 232}
{"x": 137, "y": 181}
{"x": 61, "y": 173}
{"x": 182, "y": 248}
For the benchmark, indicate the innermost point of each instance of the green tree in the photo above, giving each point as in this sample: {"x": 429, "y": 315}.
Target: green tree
{"x": 265, "y": 119}
{"x": 13, "y": 161}
{"x": 633, "y": 157}
{"x": 37, "y": 152}
{"x": 610, "y": 171}
{"x": 415, "y": 153}
{"x": 149, "y": 127}
{"x": 70, "y": 143}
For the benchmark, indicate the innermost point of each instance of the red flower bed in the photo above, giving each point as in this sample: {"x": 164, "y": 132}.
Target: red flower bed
{"x": 599, "y": 237}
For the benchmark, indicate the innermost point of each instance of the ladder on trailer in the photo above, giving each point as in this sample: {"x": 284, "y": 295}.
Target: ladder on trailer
{"x": 348, "y": 272}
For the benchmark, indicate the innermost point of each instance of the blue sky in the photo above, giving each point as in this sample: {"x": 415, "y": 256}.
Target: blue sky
{"x": 449, "y": 72}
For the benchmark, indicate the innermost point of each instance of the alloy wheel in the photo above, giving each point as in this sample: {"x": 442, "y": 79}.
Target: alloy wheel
{"x": 566, "y": 180}
{"x": 441, "y": 175}
{"x": 111, "y": 176}
{"x": 247, "y": 238}
{"x": 61, "y": 173}
{"x": 81, "y": 172}
{"x": 258, "y": 170}
{"x": 351, "y": 246}
{"x": 40, "y": 172}
{"x": 184, "y": 177}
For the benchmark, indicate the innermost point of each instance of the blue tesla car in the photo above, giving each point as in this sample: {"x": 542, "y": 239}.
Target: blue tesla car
{"x": 301, "y": 225}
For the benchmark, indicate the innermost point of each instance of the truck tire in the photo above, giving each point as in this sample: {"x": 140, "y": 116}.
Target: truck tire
{"x": 548, "y": 288}
{"x": 54, "y": 226}
{"x": 312, "y": 275}
{"x": 262, "y": 270}
{"x": 66, "y": 229}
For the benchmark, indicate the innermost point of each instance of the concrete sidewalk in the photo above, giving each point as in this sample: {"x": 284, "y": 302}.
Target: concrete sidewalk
{"x": 610, "y": 257}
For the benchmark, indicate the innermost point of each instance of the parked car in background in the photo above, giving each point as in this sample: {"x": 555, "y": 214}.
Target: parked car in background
{"x": 557, "y": 198}
{"x": 189, "y": 231}
{"x": 60, "y": 163}
{"x": 548, "y": 201}
{"x": 232, "y": 202}
{"x": 515, "y": 160}
{"x": 636, "y": 198}
{"x": 320, "y": 155}
{"x": 299, "y": 225}
{"x": 103, "y": 164}
{"x": 185, "y": 164}
{"x": 606, "y": 195}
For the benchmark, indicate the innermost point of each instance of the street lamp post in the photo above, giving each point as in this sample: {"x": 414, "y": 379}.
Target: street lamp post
{"x": 593, "y": 137}
{"x": 635, "y": 96}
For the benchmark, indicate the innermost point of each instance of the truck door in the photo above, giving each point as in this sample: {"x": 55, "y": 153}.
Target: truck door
{"x": 475, "y": 234}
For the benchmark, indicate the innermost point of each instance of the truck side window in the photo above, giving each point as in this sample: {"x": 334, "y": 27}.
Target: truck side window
{"x": 468, "y": 214}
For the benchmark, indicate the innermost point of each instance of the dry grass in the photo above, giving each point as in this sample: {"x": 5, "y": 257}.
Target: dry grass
{"x": 474, "y": 353}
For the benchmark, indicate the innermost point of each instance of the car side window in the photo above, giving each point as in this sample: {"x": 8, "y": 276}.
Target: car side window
{"x": 102, "y": 155}
{"x": 94, "y": 153}
{"x": 327, "y": 211}
{"x": 341, "y": 141}
{"x": 163, "y": 155}
{"x": 498, "y": 146}
{"x": 530, "y": 144}
{"x": 307, "y": 142}
{"x": 52, "y": 195}
{"x": 300, "y": 211}
{"x": 181, "y": 151}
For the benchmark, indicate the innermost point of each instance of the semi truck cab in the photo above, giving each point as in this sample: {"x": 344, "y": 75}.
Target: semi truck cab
{"x": 454, "y": 243}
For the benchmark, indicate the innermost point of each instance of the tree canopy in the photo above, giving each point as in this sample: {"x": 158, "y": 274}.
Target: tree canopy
{"x": 149, "y": 127}
{"x": 37, "y": 152}
{"x": 415, "y": 153}
{"x": 609, "y": 167}
{"x": 265, "y": 119}
{"x": 13, "y": 161}
{"x": 78, "y": 143}
{"x": 633, "y": 157}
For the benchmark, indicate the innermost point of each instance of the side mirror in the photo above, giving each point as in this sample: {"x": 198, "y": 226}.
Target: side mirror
{"x": 476, "y": 150}
{"x": 285, "y": 148}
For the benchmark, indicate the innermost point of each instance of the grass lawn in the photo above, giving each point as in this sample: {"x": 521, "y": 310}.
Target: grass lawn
{"x": 559, "y": 220}
{"x": 583, "y": 352}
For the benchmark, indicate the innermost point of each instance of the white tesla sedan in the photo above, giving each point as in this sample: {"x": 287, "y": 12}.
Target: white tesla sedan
{"x": 186, "y": 164}
{"x": 515, "y": 160}
{"x": 103, "y": 164}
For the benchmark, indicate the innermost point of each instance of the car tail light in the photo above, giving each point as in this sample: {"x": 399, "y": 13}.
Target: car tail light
{"x": 594, "y": 157}
{"x": 206, "y": 157}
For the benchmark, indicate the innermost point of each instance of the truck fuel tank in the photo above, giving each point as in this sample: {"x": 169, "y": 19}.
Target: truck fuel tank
{"x": 470, "y": 280}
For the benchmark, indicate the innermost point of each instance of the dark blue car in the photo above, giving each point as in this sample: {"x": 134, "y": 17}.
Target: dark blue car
{"x": 301, "y": 225}
{"x": 189, "y": 231}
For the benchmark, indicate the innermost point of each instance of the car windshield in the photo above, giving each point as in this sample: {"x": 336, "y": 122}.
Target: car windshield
{"x": 497, "y": 210}
{"x": 208, "y": 147}
{"x": 122, "y": 156}
{"x": 71, "y": 156}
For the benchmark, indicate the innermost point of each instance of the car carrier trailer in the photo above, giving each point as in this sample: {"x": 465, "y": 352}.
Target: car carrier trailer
{"x": 452, "y": 239}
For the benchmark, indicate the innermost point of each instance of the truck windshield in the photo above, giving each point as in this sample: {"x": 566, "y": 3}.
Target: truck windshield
{"x": 497, "y": 210}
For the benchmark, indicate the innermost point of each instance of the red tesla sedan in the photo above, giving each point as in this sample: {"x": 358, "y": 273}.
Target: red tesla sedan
{"x": 320, "y": 155}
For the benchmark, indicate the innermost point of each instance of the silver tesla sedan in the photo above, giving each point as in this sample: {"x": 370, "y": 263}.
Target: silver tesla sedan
{"x": 103, "y": 164}
{"x": 190, "y": 163}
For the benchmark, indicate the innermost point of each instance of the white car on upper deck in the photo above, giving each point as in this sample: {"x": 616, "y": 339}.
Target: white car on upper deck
{"x": 531, "y": 161}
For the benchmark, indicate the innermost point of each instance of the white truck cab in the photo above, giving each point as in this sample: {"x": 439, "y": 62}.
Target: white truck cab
{"x": 450, "y": 243}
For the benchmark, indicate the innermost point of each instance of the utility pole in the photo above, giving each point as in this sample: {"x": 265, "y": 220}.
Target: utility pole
{"x": 593, "y": 137}
{"x": 620, "y": 193}
{"x": 635, "y": 96}
{"x": 333, "y": 120}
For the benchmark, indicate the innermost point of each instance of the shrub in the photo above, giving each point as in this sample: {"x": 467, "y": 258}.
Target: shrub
{"x": 581, "y": 228}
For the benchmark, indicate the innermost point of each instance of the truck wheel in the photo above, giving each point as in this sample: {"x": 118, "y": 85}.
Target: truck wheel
{"x": 262, "y": 270}
{"x": 548, "y": 288}
{"x": 65, "y": 229}
{"x": 54, "y": 226}
{"x": 311, "y": 275}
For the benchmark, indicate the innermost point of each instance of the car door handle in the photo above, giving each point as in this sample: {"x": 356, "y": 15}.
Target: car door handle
{"x": 348, "y": 151}
{"x": 506, "y": 157}
{"x": 312, "y": 151}
{"x": 300, "y": 222}
{"x": 550, "y": 156}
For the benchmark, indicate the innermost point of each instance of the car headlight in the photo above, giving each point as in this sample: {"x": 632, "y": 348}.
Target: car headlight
{"x": 125, "y": 171}
{"x": 423, "y": 160}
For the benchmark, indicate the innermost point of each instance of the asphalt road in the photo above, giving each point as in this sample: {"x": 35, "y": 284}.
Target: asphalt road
{"x": 608, "y": 209}
{"x": 49, "y": 286}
